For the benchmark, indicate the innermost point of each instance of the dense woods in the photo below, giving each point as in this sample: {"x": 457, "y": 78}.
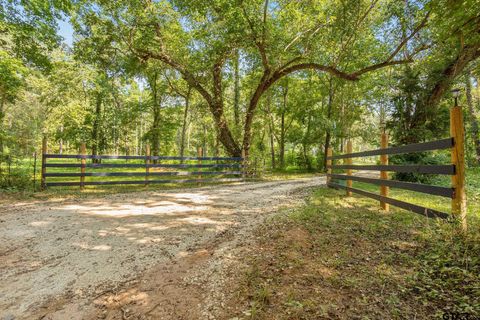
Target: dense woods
{"x": 281, "y": 81}
{"x": 239, "y": 159}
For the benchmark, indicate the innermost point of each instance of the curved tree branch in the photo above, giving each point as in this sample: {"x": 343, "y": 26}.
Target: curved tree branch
{"x": 187, "y": 75}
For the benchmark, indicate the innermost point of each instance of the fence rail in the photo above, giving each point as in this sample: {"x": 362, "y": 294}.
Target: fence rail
{"x": 233, "y": 170}
{"x": 134, "y": 165}
{"x": 411, "y": 148}
{"x": 430, "y": 213}
{"x": 456, "y": 170}
{"x": 418, "y": 187}
{"x": 99, "y": 157}
{"x": 426, "y": 169}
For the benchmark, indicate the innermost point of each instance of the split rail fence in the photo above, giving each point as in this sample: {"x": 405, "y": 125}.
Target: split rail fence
{"x": 456, "y": 169}
{"x": 156, "y": 169}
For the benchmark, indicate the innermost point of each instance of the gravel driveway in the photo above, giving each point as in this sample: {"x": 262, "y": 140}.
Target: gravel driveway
{"x": 83, "y": 248}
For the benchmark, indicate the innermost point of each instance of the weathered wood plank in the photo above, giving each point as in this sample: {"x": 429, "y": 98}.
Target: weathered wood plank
{"x": 79, "y": 156}
{"x": 165, "y": 181}
{"x": 430, "y": 213}
{"x": 418, "y": 147}
{"x": 140, "y": 174}
{"x": 423, "y": 188}
{"x": 134, "y": 165}
{"x": 447, "y": 169}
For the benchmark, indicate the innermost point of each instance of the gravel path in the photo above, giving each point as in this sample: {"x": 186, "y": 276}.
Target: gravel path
{"x": 83, "y": 248}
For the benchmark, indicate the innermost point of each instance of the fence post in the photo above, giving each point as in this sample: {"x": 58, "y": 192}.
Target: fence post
{"x": 199, "y": 155}
{"x": 384, "y": 174}
{"x": 83, "y": 152}
{"x": 459, "y": 202}
{"x": 329, "y": 165}
{"x": 147, "y": 163}
{"x": 349, "y": 161}
{"x": 43, "y": 184}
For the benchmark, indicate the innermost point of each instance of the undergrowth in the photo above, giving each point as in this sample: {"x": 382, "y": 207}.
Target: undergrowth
{"x": 343, "y": 258}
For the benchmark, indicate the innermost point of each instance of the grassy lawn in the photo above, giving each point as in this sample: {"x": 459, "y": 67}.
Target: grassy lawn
{"x": 343, "y": 258}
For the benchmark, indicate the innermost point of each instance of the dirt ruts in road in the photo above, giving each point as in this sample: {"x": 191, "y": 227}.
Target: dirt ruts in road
{"x": 74, "y": 258}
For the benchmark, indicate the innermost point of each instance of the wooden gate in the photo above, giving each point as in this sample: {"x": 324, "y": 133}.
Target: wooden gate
{"x": 153, "y": 169}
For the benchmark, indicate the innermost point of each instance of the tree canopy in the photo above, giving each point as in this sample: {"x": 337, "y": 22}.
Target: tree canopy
{"x": 278, "y": 80}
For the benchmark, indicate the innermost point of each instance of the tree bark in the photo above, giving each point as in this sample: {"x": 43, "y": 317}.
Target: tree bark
{"x": 156, "y": 112}
{"x": 325, "y": 150}
{"x": 216, "y": 107}
{"x": 236, "y": 98}
{"x": 282, "y": 140}
{"x": 96, "y": 127}
{"x": 282, "y": 127}
{"x": 185, "y": 122}
{"x": 271, "y": 130}
{"x": 204, "y": 143}
{"x": 328, "y": 135}
{"x": 3, "y": 98}
{"x": 305, "y": 144}
{"x": 155, "y": 131}
{"x": 473, "y": 117}
{"x": 60, "y": 143}
{"x": 466, "y": 55}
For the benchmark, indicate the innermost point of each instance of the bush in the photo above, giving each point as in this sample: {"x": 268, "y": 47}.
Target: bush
{"x": 422, "y": 158}
{"x": 15, "y": 178}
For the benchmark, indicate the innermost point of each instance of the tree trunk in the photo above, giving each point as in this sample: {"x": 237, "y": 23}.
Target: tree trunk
{"x": 155, "y": 132}
{"x": 156, "y": 110}
{"x": 224, "y": 133}
{"x": 272, "y": 148}
{"x": 473, "y": 118}
{"x": 185, "y": 123}
{"x": 204, "y": 144}
{"x": 60, "y": 143}
{"x": 325, "y": 150}
{"x": 283, "y": 129}
{"x": 96, "y": 127}
{"x": 2, "y": 116}
{"x": 216, "y": 107}
{"x": 271, "y": 130}
{"x": 282, "y": 140}
{"x": 305, "y": 157}
{"x": 217, "y": 146}
{"x": 236, "y": 99}
{"x": 305, "y": 144}
{"x": 328, "y": 135}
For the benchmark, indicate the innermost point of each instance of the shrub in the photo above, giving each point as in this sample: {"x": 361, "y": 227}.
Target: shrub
{"x": 15, "y": 179}
{"x": 422, "y": 158}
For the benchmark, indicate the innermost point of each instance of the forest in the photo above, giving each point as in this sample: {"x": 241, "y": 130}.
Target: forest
{"x": 281, "y": 81}
{"x": 239, "y": 159}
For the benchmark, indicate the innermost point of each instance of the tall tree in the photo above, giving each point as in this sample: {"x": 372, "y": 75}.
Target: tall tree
{"x": 178, "y": 34}
{"x": 472, "y": 116}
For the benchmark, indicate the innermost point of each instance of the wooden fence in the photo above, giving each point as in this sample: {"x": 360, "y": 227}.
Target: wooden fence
{"x": 456, "y": 170}
{"x": 155, "y": 169}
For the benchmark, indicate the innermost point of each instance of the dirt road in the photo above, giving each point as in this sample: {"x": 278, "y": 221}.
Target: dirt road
{"x": 58, "y": 257}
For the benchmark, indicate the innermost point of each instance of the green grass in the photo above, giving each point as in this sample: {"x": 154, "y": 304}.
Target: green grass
{"x": 342, "y": 257}
{"x": 436, "y": 202}
{"x": 288, "y": 175}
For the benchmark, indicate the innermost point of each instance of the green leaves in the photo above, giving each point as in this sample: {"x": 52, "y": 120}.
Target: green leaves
{"x": 31, "y": 28}
{"x": 12, "y": 73}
